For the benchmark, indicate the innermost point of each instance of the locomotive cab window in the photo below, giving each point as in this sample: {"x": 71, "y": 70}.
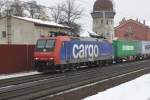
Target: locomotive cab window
{"x": 50, "y": 44}
{"x": 41, "y": 44}
{"x": 45, "y": 44}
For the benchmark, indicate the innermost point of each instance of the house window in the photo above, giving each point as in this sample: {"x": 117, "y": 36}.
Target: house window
{"x": 111, "y": 22}
{"x": 3, "y": 34}
{"x": 101, "y": 21}
{"x": 96, "y": 21}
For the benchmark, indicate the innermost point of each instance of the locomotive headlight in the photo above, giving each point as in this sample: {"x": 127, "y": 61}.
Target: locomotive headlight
{"x": 51, "y": 58}
{"x": 36, "y": 58}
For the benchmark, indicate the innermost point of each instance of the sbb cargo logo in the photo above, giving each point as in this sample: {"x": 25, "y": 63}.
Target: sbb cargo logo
{"x": 84, "y": 51}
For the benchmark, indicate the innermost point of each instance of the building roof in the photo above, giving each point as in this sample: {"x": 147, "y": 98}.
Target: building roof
{"x": 132, "y": 21}
{"x": 103, "y": 5}
{"x": 41, "y": 22}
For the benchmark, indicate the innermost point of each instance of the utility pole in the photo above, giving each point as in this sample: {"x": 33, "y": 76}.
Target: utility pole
{"x": 8, "y": 26}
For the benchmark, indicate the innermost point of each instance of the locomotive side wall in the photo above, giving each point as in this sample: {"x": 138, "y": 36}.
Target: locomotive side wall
{"x": 84, "y": 51}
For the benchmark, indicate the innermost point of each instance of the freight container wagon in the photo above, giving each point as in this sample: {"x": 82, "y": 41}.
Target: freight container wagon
{"x": 126, "y": 49}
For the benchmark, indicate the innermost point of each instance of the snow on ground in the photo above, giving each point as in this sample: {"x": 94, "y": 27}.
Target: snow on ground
{"x": 6, "y": 76}
{"x": 138, "y": 89}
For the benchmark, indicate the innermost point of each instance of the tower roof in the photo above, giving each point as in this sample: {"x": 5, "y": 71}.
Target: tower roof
{"x": 103, "y": 5}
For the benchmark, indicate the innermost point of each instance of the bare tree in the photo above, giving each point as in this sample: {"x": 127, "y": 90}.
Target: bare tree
{"x": 41, "y": 13}
{"x": 67, "y": 13}
{"x": 17, "y": 8}
{"x": 56, "y": 13}
{"x": 71, "y": 11}
{"x": 12, "y": 7}
{"x": 35, "y": 11}
{"x": 2, "y": 4}
{"x": 6, "y": 10}
{"x": 31, "y": 7}
{"x": 20, "y": 8}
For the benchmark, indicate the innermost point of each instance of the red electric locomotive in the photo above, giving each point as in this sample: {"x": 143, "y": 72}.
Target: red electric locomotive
{"x": 68, "y": 53}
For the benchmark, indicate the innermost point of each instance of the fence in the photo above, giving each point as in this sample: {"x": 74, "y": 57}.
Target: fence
{"x": 16, "y": 58}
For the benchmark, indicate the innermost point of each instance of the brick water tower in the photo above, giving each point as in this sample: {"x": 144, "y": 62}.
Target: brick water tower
{"x": 103, "y": 18}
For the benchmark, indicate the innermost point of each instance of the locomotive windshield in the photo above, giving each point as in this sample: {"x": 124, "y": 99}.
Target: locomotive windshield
{"x": 47, "y": 45}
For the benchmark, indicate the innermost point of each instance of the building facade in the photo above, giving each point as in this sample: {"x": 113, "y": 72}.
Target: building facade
{"x": 18, "y": 36}
{"x": 20, "y": 30}
{"x": 103, "y": 18}
{"x": 133, "y": 30}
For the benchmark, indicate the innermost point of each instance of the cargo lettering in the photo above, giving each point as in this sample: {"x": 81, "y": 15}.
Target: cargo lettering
{"x": 127, "y": 47}
{"x": 84, "y": 51}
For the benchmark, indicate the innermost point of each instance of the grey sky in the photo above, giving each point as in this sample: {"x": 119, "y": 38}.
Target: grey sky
{"x": 124, "y": 8}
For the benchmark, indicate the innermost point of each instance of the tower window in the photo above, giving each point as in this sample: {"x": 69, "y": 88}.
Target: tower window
{"x": 101, "y": 21}
{"x": 97, "y": 22}
{"x": 107, "y": 22}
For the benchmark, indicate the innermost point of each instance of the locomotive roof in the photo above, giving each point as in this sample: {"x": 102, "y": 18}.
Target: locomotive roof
{"x": 76, "y": 38}
{"x": 88, "y": 39}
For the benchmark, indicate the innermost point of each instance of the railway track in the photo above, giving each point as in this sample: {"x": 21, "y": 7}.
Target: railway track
{"x": 30, "y": 78}
{"x": 49, "y": 86}
{"x": 18, "y": 80}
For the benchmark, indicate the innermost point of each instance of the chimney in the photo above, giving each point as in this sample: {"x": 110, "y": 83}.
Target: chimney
{"x": 122, "y": 21}
{"x": 144, "y": 22}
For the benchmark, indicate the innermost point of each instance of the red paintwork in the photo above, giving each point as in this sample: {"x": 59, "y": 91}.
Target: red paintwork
{"x": 16, "y": 58}
{"x": 45, "y": 56}
{"x": 58, "y": 45}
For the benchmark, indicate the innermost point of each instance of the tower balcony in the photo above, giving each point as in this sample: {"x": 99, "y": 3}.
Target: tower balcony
{"x": 103, "y": 14}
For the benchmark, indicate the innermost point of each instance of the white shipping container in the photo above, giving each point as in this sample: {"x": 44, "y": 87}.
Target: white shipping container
{"x": 145, "y": 47}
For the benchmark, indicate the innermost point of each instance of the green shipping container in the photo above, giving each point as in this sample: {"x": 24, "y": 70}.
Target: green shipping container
{"x": 124, "y": 48}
